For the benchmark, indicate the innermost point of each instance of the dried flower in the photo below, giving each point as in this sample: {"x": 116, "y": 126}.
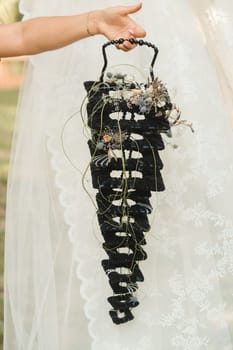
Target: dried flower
{"x": 143, "y": 97}
{"x": 107, "y": 138}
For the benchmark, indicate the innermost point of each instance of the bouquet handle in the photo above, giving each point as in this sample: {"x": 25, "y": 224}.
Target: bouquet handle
{"x": 139, "y": 42}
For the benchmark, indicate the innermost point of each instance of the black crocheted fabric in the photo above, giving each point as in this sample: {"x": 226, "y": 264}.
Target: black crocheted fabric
{"x": 124, "y": 201}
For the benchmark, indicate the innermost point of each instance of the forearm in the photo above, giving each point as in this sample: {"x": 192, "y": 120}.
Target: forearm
{"x": 46, "y": 33}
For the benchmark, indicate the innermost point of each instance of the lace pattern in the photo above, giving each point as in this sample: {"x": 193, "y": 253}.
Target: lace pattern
{"x": 193, "y": 304}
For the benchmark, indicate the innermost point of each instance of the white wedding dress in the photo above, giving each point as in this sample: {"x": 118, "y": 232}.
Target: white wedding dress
{"x": 55, "y": 287}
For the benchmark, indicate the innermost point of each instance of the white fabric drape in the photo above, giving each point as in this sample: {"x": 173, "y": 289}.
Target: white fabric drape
{"x": 55, "y": 287}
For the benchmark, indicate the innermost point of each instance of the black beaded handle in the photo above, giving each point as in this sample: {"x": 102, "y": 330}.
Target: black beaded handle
{"x": 139, "y": 42}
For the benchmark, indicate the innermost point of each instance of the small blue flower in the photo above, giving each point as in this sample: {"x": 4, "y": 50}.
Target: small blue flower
{"x": 109, "y": 75}
{"x": 143, "y": 109}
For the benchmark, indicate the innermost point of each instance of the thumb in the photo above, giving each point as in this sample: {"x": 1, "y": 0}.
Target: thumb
{"x": 132, "y": 9}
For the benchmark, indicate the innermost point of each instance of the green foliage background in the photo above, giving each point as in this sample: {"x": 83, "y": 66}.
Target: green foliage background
{"x": 8, "y": 100}
{"x": 9, "y": 11}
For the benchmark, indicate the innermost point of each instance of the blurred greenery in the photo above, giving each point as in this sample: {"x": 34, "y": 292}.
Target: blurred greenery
{"x": 8, "y": 100}
{"x": 9, "y": 11}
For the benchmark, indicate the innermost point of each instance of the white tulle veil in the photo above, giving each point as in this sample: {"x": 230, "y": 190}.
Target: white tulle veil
{"x": 55, "y": 288}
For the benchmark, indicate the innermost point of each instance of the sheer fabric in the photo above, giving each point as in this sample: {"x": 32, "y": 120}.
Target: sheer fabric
{"x": 55, "y": 288}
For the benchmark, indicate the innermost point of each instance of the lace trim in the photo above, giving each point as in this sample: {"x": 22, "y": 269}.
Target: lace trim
{"x": 200, "y": 288}
{"x": 68, "y": 181}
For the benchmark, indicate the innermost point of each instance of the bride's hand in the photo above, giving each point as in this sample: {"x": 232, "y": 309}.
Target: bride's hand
{"x": 115, "y": 23}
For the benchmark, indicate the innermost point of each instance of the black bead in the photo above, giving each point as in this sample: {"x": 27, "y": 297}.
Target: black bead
{"x": 132, "y": 41}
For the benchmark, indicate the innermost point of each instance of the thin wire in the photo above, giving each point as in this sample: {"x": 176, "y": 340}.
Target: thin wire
{"x": 72, "y": 116}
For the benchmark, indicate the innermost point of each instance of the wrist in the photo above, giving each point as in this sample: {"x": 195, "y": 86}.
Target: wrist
{"x": 93, "y": 22}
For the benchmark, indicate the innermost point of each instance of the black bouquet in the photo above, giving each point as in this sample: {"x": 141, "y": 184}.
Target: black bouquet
{"x": 126, "y": 119}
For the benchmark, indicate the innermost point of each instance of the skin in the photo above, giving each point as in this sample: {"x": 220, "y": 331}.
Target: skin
{"x": 50, "y": 33}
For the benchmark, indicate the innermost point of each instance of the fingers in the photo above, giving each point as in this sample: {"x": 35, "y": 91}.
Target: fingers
{"x": 127, "y": 27}
{"x": 132, "y": 9}
{"x": 137, "y": 31}
{"x": 126, "y": 46}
